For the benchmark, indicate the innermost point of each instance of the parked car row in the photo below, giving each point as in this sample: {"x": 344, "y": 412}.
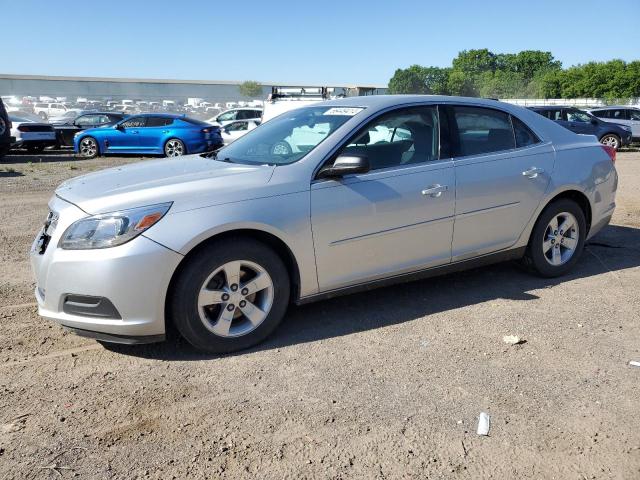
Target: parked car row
{"x": 608, "y": 133}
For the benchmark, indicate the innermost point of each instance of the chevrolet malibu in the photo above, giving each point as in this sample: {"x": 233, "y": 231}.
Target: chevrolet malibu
{"x": 328, "y": 199}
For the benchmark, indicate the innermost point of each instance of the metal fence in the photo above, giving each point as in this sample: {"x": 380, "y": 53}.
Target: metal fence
{"x": 573, "y": 102}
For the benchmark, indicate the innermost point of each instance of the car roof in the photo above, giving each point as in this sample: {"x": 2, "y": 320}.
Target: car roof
{"x": 161, "y": 115}
{"x": 616, "y": 107}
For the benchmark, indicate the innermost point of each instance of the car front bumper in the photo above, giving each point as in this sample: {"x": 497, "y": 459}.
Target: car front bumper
{"x": 73, "y": 286}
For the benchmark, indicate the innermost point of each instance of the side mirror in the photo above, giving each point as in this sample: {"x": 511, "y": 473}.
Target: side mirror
{"x": 118, "y": 126}
{"x": 345, "y": 165}
{"x": 594, "y": 121}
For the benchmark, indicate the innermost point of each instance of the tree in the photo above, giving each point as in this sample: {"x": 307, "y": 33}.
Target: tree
{"x": 409, "y": 80}
{"x": 526, "y": 74}
{"x": 250, "y": 89}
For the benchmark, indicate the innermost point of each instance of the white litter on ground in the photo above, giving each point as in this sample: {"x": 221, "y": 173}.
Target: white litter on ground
{"x": 633, "y": 363}
{"x": 512, "y": 339}
{"x": 484, "y": 423}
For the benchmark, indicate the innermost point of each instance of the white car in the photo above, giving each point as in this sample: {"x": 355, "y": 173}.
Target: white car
{"x": 33, "y": 136}
{"x": 624, "y": 115}
{"x": 46, "y": 110}
{"x": 234, "y": 130}
{"x": 228, "y": 116}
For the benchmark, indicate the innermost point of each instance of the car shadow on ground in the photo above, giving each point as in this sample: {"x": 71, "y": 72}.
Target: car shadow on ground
{"x": 46, "y": 156}
{"x": 54, "y": 156}
{"x": 615, "y": 248}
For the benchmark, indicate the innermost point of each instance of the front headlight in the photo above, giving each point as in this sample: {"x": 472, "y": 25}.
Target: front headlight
{"x": 111, "y": 229}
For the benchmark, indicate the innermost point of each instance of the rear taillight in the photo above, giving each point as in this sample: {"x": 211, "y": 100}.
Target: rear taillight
{"x": 610, "y": 151}
{"x": 206, "y": 130}
{"x": 24, "y": 128}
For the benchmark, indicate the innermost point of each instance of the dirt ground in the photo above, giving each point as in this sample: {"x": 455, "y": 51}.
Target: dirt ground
{"x": 384, "y": 384}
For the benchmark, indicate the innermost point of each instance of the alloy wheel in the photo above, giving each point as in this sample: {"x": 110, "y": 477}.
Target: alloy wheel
{"x": 235, "y": 299}
{"x": 560, "y": 239}
{"x": 610, "y": 141}
{"x": 174, "y": 148}
{"x": 88, "y": 147}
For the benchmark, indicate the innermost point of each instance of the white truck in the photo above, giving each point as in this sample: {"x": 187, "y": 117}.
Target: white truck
{"x": 283, "y": 99}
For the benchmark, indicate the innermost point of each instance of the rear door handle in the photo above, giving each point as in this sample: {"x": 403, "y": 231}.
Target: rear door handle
{"x": 435, "y": 190}
{"x": 533, "y": 172}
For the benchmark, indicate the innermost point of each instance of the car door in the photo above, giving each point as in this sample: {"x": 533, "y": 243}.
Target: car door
{"x": 634, "y": 121}
{"x": 502, "y": 170}
{"x": 127, "y": 136}
{"x": 581, "y": 122}
{"x": 394, "y": 219}
{"x": 153, "y": 133}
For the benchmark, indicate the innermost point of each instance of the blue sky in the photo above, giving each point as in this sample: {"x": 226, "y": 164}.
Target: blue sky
{"x": 360, "y": 42}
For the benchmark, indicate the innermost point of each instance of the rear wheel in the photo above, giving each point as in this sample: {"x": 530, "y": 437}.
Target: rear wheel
{"x": 174, "y": 148}
{"x": 611, "y": 140}
{"x": 557, "y": 239}
{"x": 88, "y": 147}
{"x": 230, "y": 295}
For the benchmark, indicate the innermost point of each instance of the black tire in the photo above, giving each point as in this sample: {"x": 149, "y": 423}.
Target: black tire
{"x": 183, "y": 297}
{"x": 612, "y": 140}
{"x": 174, "y": 145}
{"x": 35, "y": 149}
{"x": 535, "y": 258}
{"x": 88, "y": 152}
{"x": 43, "y": 115}
{"x": 4, "y": 149}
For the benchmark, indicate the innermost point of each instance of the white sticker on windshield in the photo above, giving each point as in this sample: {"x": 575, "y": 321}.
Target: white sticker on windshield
{"x": 348, "y": 111}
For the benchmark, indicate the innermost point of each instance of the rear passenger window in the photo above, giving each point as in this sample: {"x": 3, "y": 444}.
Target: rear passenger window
{"x": 158, "y": 121}
{"x": 601, "y": 113}
{"x": 482, "y": 130}
{"x": 401, "y": 137}
{"x": 524, "y": 136}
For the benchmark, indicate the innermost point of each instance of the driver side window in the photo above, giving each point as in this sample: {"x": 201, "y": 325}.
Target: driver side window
{"x": 398, "y": 138}
{"x": 577, "y": 116}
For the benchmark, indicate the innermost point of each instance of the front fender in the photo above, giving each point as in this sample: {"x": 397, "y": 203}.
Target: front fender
{"x": 286, "y": 217}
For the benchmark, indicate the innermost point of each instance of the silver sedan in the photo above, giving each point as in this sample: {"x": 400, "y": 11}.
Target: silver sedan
{"x": 324, "y": 200}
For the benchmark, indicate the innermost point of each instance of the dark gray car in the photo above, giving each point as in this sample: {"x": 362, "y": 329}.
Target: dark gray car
{"x": 579, "y": 121}
{"x": 5, "y": 131}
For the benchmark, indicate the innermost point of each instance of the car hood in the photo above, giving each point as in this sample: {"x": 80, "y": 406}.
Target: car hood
{"x": 190, "y": 181}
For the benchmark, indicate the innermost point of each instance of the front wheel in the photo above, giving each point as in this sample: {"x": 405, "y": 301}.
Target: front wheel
{"x": 230, "y": 295}
{"x": 557, "y": 239}
{"x": 88, "y": 147}
{"x": 174, "y": 148}
{"x": 611, "y": 140}
{"x": 43, "y": 115}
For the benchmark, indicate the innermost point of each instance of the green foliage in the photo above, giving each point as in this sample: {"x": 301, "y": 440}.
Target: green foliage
{"x": 526, "y": 74}
{"x": 250, "y": 89}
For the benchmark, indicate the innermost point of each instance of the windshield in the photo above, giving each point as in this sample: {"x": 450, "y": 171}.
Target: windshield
{"x": 288, "y": 137}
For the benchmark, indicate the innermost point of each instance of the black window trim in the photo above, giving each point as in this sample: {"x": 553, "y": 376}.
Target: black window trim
{"x": 368, "y": 121}
{"x": 454, "y": 139}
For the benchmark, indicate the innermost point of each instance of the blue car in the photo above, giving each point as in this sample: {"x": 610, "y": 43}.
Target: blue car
{"x": 159, "y": 134}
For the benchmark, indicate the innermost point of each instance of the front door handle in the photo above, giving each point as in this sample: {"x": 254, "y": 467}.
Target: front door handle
{"x": 533, "y": 172}
{"x": 435, "y": 190}
{"x": 134, "y": 132}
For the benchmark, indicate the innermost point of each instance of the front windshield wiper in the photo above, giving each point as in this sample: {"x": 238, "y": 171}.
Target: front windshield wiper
{"x": 214, "y": 155}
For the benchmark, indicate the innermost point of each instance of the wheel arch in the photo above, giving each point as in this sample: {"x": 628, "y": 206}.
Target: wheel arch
{"x": 577, "y": 196}
{"x": 262, "y": 236}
